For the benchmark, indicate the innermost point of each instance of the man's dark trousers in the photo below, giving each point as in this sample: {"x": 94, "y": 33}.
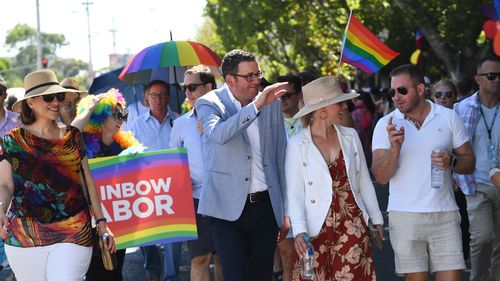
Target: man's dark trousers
{"x": 246, "y": 246}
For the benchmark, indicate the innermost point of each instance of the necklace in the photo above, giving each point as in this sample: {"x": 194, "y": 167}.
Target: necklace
{"x": 491, "y": 145}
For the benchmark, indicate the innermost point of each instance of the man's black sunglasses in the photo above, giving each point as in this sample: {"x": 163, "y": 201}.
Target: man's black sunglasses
{"x": 191, "y": 87}
{"x": 49, "y": 98}
{"x": 402, "y": 90}
{"x": 288, "y": 95}
{"x": 447, "y": 94}
{"x": 118, "y": 115}
{"x": 491, "y": 75}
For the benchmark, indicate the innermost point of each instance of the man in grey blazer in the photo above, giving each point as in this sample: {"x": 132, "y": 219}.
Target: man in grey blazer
{"x": 244, "y": 181}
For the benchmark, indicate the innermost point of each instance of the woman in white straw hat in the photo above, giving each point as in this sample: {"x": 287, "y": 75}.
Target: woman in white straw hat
{"x": 330, "y": 194}
{"x": 47, "y": 229}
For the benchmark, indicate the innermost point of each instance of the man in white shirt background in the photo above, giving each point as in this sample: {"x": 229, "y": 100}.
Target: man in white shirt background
{"x": 187, "y": 132}
{"x": 480, "y": 114}
{"x": 152, "y": 128}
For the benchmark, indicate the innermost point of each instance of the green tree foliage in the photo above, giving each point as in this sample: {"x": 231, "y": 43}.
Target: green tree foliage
{"x": 4, "y": 64}
{"x": 207, "y": 35}
{"x": 23, "y": 39}
{"x": 451, "y": 27}
{"x": 297, "y": 35}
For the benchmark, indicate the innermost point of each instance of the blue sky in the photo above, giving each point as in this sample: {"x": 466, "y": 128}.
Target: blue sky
{"x": 139, "y": 23}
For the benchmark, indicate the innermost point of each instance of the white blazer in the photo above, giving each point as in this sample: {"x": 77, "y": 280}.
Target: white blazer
{"x": 309, "y": 183}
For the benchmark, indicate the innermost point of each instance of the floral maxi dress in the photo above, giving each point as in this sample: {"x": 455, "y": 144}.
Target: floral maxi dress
{"x": 342, "y": 250}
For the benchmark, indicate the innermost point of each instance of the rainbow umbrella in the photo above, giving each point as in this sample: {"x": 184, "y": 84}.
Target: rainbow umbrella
{"x": 167, "y": 54}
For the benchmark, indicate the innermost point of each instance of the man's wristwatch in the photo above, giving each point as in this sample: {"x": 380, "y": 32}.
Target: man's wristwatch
{"x": 453, "y": 161}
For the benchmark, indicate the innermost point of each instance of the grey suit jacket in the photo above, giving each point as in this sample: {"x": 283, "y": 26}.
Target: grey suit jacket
{"x": 228, "y": 155}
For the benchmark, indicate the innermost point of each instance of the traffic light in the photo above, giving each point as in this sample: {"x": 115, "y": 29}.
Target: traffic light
{"x": 45, "y": 62}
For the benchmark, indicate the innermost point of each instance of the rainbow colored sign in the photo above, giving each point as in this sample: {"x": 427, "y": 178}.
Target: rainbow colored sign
{"x": 146, "y": 198}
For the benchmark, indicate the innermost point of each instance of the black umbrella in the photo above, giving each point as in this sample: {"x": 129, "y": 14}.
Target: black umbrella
{"x": 134, "y": 92}
{"x": 101, "y": 84}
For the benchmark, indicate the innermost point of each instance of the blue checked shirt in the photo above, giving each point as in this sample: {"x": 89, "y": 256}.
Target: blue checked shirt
{"x": 468, "y": 110}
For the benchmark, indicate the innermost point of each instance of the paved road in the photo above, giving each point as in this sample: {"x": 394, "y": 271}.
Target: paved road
{"x": 384, "y": 259}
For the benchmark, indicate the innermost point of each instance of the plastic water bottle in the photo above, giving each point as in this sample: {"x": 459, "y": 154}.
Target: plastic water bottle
{"x": 108, "y": 259}
{"x": 437, "y": 175}
{"x": 307, "y": 272}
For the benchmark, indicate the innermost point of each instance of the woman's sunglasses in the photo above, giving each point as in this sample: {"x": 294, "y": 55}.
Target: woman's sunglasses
{"x": 401, "y": 90}
{"x": 447, "y": 94}
{"x": 49, "y": 98}
{"x": 118, "y": 115}
{"x": 491, "y": 75}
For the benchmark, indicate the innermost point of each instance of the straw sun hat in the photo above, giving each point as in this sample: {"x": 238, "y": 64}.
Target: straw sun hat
{"x": 322, "y": 92}
{"x": 39, "y": 83}
{"x": 70, "y": 83}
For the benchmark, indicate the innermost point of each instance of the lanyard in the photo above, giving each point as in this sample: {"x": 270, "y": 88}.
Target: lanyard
{"x": 492, "y": 121}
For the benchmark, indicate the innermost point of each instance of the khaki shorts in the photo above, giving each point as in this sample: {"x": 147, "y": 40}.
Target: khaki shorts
{"x": 426, "y": 242}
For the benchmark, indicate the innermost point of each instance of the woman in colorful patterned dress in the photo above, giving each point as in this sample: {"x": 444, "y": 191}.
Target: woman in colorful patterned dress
{"x": 330, "y": 194}
{"x": 101, "y": 119}
{"x": 47, "y": 228}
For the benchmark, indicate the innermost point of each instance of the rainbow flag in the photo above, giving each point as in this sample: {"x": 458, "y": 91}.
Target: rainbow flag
{"x": 147, "y": 198}
{"x": 363, "y": 49}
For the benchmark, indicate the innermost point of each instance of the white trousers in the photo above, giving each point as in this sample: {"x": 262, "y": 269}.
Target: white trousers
{"x": 57, "y": 262}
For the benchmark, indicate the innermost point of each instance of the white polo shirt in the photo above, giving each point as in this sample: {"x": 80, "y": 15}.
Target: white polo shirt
{"x": 410, "y": 188}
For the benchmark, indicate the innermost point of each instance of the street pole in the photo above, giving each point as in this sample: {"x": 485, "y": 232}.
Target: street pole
{"x": 113, "y": 31}
{"x": 38, "y": 38}
{"x": 91, "y": 70}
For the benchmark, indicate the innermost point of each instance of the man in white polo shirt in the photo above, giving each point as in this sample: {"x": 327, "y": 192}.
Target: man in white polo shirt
{"x": 424, "y": 222}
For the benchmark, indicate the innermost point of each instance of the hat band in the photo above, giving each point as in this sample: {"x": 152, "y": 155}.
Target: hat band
{"x": 41, "y": 85}
{"x": 316, "y": 100}
{"x": 70, "y": 87}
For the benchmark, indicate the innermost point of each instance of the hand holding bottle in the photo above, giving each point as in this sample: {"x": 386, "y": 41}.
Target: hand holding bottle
{"x": 300, "y": 244}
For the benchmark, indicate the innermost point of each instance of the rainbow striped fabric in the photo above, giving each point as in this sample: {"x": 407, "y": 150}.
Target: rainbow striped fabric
{"x": 363, "y": 49}
{"x": 147, "y": 198}
{"x": 171, "y": 53}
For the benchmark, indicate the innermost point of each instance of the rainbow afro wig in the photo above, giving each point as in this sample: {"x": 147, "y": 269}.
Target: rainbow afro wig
{"x": 92, "y": 132}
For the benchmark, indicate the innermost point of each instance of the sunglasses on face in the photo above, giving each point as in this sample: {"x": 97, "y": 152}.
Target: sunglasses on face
{"x": 118, "y": 115}
{"x": 401, "y": 90}
{"x": 250, "y": 76}
{"x": 191, "y": 87}
{"x": 49, "y": 98}
{"x": 287, "y": 95}
{"x": 491, "y": 75}
{"x": 446, "y": 94}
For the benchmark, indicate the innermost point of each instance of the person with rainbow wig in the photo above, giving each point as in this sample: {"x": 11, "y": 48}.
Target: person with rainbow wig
{"x": 101, "y": 117}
